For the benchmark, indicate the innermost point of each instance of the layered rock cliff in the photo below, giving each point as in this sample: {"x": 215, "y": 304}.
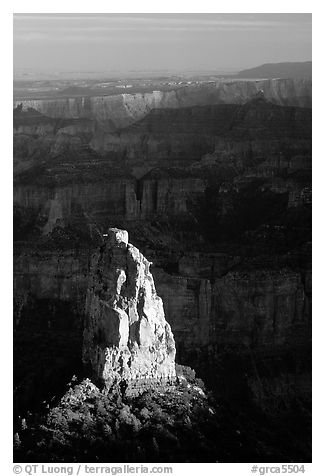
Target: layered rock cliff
{"x": 191, "y": 147}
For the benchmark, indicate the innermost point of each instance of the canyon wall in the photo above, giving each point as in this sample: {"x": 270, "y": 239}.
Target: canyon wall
{"x": 124, "y": 109}
{"x": 241, "y": 326}
{"x": 160, "y": 164}
{"x": 217, "y": 196}
{"x": 214, "y": 299}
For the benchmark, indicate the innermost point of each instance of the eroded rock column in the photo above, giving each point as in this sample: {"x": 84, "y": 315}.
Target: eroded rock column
{"x": 126, "y": 337}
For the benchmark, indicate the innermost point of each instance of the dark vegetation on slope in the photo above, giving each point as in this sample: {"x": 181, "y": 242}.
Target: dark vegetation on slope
{"x": 179, "y": 424}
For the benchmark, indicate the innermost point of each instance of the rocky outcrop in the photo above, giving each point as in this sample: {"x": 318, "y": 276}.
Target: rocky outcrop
{"x": 126, "y": 338}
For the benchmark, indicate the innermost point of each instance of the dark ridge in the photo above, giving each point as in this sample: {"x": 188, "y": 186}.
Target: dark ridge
{"x": 257, "y": 115}
{"x": 278, "y": 70}
{"x": 32, "y": 117}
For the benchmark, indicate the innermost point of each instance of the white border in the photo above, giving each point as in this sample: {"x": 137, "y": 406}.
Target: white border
{"x": 168, "y": 6}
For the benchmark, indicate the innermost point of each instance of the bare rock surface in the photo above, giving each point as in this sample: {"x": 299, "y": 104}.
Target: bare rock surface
{"x": 127, "y": 339}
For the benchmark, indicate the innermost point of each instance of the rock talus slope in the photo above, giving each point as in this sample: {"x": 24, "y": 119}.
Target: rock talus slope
{"x": 126, "y": 337}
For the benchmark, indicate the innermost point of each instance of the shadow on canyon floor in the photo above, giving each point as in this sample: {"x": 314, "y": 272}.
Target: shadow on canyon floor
{"x": 234, "y": 422}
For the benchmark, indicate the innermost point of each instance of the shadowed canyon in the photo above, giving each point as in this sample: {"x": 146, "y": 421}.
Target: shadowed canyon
{"x": 213, "y": 185}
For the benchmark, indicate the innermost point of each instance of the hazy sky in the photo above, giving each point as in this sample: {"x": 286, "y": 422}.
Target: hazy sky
{"x": 125, "y": 42}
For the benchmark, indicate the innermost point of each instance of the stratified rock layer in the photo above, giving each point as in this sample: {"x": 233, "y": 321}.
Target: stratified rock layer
{"x": 126, "y": 338}
{"x": 121, "y": 110}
